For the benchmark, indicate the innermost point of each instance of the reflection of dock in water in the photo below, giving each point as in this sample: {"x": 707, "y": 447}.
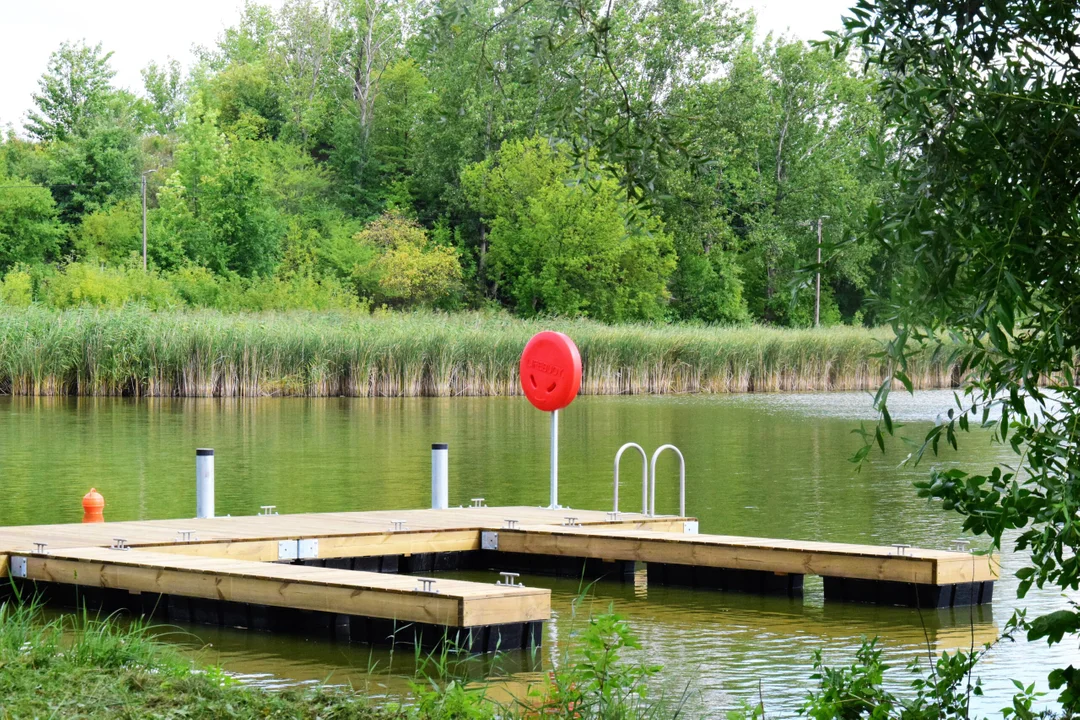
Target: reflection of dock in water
{"x": 678, "y": 610}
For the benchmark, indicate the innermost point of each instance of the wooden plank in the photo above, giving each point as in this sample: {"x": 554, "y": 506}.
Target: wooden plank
{"x": 307, "y": 588}
{"x": 827, "y": 559}
{"x": 967, "y": 568}
{"x": 306, "y": 525}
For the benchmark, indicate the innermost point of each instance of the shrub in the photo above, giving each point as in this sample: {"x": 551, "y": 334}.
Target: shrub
{"x": 410, "y": 270}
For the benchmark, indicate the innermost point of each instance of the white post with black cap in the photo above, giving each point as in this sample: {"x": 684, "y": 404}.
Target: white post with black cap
{"x": 440, "y": 476}
{"x": 204, "y": 483}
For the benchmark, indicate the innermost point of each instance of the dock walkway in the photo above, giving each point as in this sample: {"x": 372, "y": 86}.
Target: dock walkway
{"x": 340, "y": 574}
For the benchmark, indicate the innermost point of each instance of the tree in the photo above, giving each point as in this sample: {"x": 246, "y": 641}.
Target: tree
{"x": 785, "y": 132}
{"x": 73, "y": 92}
{"x": 983, "y": 146}
{"x": 164, "y": 86}
{"x": 91, "y": 170}
{"x": 217, "y": 205}
{"x": 304, "y": 60}
{"x": 29, "y": 229}
{"x": 562, "y": 247}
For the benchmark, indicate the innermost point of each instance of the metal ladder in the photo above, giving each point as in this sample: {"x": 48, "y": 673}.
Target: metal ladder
{"x": 648, "y": 478}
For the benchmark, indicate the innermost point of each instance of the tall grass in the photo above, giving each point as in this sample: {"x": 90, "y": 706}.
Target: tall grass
{"x": 207, "y": 353}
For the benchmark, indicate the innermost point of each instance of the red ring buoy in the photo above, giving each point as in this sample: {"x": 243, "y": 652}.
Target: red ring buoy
{"x": 550, "y": 371}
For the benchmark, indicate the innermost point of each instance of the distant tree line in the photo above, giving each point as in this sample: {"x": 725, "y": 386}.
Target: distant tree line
{"x": 646, "y": 160}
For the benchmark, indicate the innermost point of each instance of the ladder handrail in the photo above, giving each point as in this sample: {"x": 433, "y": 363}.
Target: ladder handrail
{"x": 682, "y": 480}
{"x": 644, "y": 476}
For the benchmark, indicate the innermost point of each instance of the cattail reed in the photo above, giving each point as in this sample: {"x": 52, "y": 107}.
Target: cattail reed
{"x": 138, "y": 352}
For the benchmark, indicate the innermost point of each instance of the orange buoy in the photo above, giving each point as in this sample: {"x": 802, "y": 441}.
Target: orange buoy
{"x": 93, "y": 505}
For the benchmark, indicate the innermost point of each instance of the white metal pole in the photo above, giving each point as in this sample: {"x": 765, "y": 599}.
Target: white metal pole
{"x": 144, "y": 222}
{"x": 554, "y": 459}
{"x": 440, "y": 476}
{"x": 204, "y": 483}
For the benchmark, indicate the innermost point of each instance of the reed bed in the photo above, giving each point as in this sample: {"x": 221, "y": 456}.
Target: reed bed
{"x": 138, "y": 352}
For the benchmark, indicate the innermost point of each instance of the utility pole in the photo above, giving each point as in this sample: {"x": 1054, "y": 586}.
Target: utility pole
{"x": 144, "y": 218}
{"x": 817, "y": 280}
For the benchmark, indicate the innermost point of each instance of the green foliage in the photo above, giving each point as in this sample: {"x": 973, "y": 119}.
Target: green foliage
{"x": 306, "y": 121}
{"x": 92, "y": 170}
{"x": 858, "y": 691}
{"x": 17, "y": 288}
{"x": 73, "y": 92}
{"x": 598, "y": 682}
{"x": 80, "y": 284}
{"x": 407, "y": 270}
{"x": 217, "y": 204}
{"x": 102, "y": 668}
{"x": 982, "y": 148}
{"x": 29, "y": 227}
{"x": 560, "y": 247}
{"x": 165, "y": 93}
{"x": 112, "y": 234}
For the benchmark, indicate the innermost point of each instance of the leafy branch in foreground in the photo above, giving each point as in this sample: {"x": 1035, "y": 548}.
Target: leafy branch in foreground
{"x": 983, "y": 152}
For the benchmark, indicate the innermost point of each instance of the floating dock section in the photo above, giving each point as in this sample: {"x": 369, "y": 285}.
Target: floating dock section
{"x": 353, "y": 576}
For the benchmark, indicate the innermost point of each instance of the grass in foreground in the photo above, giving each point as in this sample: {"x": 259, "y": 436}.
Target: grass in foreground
{"x": 76, "y": 666}
{"x": 206, "y": 353}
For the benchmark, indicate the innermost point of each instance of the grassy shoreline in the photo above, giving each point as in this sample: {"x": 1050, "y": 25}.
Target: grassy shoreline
{"x": 138, "y": 352}
{"x": 78, "y": 665}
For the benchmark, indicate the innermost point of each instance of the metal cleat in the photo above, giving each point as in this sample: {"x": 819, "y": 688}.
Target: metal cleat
{"x": 508, "y": 579}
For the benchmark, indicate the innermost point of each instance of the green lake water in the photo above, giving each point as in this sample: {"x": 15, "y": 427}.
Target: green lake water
{"x": 764, "y": 465}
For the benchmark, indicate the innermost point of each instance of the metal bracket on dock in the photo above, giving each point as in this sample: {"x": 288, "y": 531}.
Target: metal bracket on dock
{"x": 508, "y": 579}
{"x": 185, "y": 536}
{"x": 427, "y": 585}
{"x": 477, "y": 502}
{"x": 961, "y": 545}
{"x": 690, "y": 527}
{"x": 40, "y": 548}
{"x": 571, "y": 521}
{"x": 901, "y": 548}
{"x": 307, "y": 549}
{"x": 489, "y": 540}
{"x": 298, "y": 549}
{"x": 267, "y": 510}
{"x": 287, "y": 550}
{"x": 397, "y": 525}
{"x": 510, "y": 524}
{"x": 119, "y": 544}
{"x": 18, "y": 567}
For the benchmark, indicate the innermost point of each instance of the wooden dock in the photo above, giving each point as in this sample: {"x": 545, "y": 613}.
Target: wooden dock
{"x": 345, "y": 575}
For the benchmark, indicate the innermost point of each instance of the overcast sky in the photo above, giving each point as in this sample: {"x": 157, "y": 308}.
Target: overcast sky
{"x": 138, "y": 31}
